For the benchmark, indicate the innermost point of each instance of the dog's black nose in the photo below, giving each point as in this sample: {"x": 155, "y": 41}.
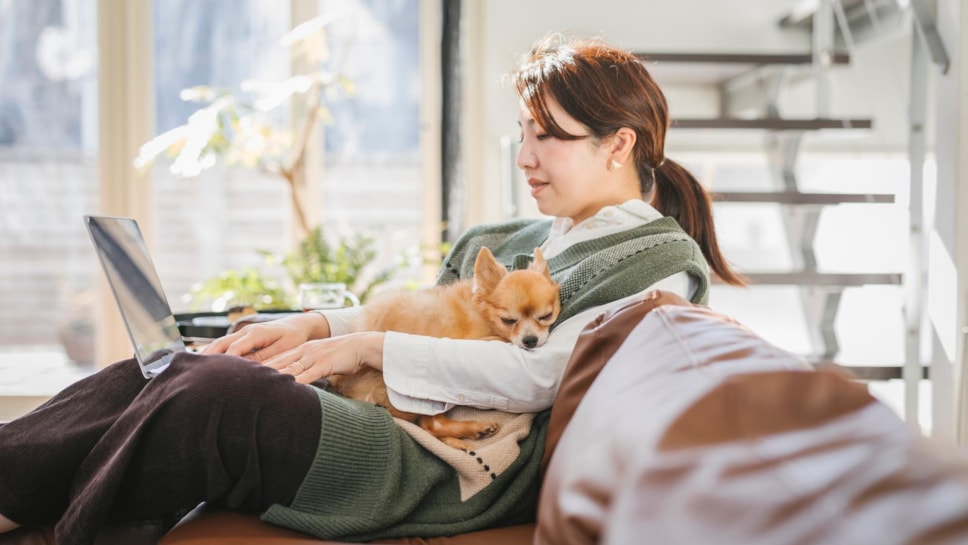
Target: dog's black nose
{"x": 530, "y": 342}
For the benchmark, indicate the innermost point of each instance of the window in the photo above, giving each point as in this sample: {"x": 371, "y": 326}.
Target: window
{"x": 370, "y": 157}
{"x": 48, "y": 139}
{"x": 371, "y": 163}
{"x": 220, "y": 220}
{"x": 217, "y": 220}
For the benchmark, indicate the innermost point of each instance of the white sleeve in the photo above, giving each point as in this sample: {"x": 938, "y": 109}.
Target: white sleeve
{"x": 427, "y": 375}
{"x": 341, "y": 321}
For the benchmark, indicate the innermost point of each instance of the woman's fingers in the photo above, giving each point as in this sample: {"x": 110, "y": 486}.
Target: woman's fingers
{"x": 321, "y": 358}
{"x": 242, "y": 343}
{"x": 219, "y": 345}
{"x": 281, "y": 361}
{"x": 301, "y": 363}
{"x": 259, "y": 342}
{"x": 287, "y": 352}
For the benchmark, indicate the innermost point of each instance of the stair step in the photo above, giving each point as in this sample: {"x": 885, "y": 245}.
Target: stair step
{"x": 798, "y": 198}
{"x": 753, "y": 59}
{"x": 801, "y": 16}
{"x": 771, "y": 124}
{"x": 814, "y": 278}
{"x": 872, "y": 372}
{"x": 718, "y": 68}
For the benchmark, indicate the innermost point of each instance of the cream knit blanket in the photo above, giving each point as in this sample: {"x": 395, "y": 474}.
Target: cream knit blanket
{"x": 488, "y": 457}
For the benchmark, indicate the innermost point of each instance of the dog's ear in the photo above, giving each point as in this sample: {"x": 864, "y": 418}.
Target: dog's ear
{"x": 539, "y": 265}
{"x": 487, "y": 271}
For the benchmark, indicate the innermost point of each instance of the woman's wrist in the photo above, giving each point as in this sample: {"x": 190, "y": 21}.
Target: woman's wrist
{"x": 370, "y": 349}
{"x": 315, "y": 324}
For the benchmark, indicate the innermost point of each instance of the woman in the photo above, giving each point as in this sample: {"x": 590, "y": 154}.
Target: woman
{"x": 241, "y": 432}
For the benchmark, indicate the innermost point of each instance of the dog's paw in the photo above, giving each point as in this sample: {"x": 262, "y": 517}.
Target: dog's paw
{"x": 455, "y": 443}
{"x": 488, "y": 430}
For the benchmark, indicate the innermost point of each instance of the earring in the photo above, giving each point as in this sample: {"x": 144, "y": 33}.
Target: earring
{"x": 613, "y": 164}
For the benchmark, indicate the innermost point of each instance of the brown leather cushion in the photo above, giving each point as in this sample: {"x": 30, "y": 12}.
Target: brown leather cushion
{"x": 786, "y": 457}
{"x": 596, "y": 345}
{"x": 666, "y": 362}
{"x": 746, "y": 407}
{"x": 210, "y": 527}
{"x": 223, "y": 527}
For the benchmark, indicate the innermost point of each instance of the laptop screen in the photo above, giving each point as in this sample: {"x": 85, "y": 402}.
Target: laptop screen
{"x": 137, "y": 291}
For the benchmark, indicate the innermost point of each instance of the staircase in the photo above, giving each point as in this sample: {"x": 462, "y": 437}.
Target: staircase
{"x": 749, "y": 86}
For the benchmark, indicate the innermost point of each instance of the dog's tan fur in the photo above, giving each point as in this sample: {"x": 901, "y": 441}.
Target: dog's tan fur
{"x": 517, "y": 307}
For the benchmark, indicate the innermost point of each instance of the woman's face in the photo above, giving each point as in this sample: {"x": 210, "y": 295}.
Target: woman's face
{"x": 568, "y": 178}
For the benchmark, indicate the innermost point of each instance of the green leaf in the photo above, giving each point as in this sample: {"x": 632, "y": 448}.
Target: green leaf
{"x": 248, "y": 286}
{"x": 347, "y": 261}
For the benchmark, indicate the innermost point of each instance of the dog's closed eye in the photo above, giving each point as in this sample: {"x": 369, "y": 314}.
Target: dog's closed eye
{"x": 509, "y": 321}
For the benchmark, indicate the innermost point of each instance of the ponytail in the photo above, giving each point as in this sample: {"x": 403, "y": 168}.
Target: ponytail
{"x": 678, "y": 194}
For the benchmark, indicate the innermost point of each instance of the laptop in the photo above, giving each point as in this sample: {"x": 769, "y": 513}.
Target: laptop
{"x": 137, "y": 290}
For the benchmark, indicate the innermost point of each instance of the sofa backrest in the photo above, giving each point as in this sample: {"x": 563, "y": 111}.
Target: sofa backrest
{"x": 700, "y": 431}
{"x": 596, "y": 345}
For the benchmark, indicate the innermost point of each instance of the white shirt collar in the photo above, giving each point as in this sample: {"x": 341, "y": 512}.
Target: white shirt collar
{"x": 632, "y": 212}
{"x": 609, "y": 219}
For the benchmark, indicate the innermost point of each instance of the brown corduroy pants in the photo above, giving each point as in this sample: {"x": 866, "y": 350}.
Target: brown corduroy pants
{"x": 115, "y": 446}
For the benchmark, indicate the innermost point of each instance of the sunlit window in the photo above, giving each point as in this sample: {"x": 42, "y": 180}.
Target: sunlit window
{"x": 48, "y": 139}
{"x": 228, "y": 216}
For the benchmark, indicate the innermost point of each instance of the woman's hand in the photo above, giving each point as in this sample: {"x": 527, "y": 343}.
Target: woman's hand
{"x": 341, "y": 355}
{"x": 262, "y": 341}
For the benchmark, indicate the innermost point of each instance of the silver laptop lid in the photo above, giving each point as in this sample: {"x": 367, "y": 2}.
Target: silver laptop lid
{"x": 137, "y": 290}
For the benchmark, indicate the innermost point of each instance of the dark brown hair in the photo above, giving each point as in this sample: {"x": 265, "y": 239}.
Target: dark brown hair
{"x": 605, "y": 89}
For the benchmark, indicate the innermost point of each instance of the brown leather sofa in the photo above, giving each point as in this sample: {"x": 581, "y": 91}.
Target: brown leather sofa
{"x": 696, "y": 431}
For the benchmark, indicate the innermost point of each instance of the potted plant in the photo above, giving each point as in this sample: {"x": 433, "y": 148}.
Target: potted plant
{"x": 247, "y": 287}
{"x": 246, "y": 128}
{"x": 351, "y": 260}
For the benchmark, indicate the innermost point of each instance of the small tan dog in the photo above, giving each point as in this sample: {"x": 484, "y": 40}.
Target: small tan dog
{"x": 517, "y": 307}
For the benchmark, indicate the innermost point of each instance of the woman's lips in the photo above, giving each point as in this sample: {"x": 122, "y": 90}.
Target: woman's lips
{"x": 536, "y": 186}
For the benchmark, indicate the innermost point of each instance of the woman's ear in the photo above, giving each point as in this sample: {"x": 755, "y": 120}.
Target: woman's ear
{"x": 623, "y": 141}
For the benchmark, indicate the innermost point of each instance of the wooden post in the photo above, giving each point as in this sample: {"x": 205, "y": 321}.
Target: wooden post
{"x": 126, "y": 120}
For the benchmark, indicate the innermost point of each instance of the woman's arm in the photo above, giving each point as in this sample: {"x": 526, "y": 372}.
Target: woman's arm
{"x": 342, "y": 355}
{"x": 264, "y": 340}
{"x": 428, "y": 375}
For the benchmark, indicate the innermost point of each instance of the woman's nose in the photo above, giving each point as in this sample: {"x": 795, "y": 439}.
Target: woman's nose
{"x": 526, "y": 159}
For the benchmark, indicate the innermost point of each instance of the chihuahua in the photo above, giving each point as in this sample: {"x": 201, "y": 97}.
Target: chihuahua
{"x": 517, "y": 307}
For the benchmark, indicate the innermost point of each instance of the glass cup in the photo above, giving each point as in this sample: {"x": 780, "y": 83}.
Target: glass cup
{"x": 325, "y": 295}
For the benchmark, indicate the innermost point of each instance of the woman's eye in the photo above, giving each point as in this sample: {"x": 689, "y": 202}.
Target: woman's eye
{"x": 509, "y": 321}
{"x": 544, "y": 136}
